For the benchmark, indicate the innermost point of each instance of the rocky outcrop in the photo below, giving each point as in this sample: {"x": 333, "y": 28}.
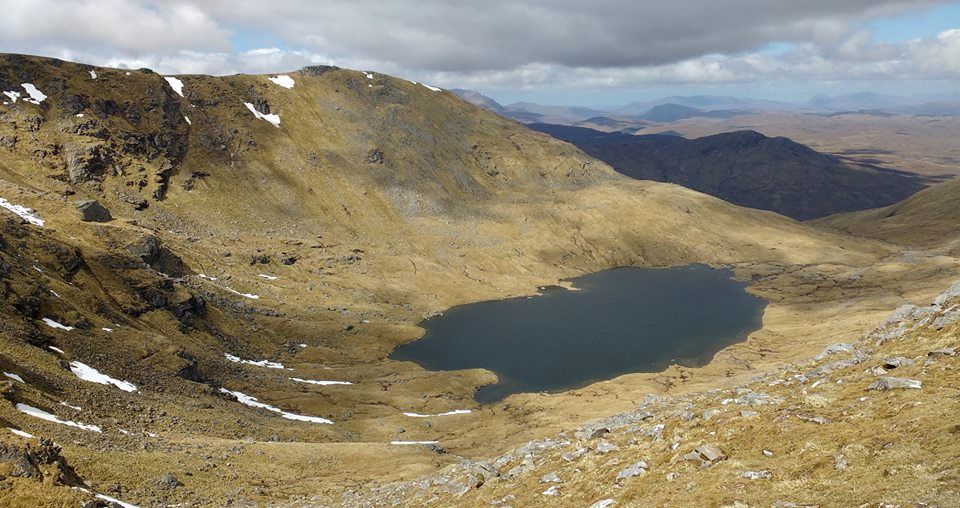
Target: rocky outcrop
{"x": 92, "y": 211}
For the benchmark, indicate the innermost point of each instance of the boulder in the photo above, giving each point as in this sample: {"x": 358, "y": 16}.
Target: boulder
{"x": 606, "y": 447}
{"x": 168, "y": 481}
{"x": 591, "y": 433}
{"x": 551, "y": 478}
{"x": 707, "y": 455}
{"x": 92, "y": 211}
{"x": 893, "y": 383}
{"x": 636, "y": 469}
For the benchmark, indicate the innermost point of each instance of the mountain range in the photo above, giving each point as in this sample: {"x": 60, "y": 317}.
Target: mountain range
{"x": 670, "y": 109}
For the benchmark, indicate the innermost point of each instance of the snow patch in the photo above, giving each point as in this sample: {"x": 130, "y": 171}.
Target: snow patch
{"x": 53, "y": 324}
{"x": 433, "y": 88}
{"x": 21, "y": 433}
{"x": 114, "y": 500}
{"x": 54, "y": 348}
{"x": 14, "y": 377}
{"x": 187, "y": 118}
{"x": 245, "y": 295}
{"x": 268, "y": 277}
{"x": 36, "y": 96}
{"x": 176, "y": 84}
{"x": 253, "y": 402}
{"x": 23, "y": 212}
{"x": 369, "y": 75}
{"x": 259, "y": 363}
{"x": 93, "y": 74}
{"x": 12, "y": 95}
{"x": 88, "y": 373}
{"x": 448, "y": 413}
{"x": 108, "y": 330}
{"x": 283, "y": 80}
{"x": 79, "y": 115}
{"x": 43, "y": 415}
{"x": 75, "y": 408}
{"x": 274, "y": 119}
{"x": 205, "y": 276}
{"x": 321, "y": 383}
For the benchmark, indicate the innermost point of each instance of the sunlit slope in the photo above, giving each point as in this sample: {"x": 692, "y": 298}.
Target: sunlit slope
{"x": 930, "y": 218}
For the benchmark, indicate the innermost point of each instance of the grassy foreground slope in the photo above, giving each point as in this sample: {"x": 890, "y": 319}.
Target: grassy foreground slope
{"x": 319, "y": 245}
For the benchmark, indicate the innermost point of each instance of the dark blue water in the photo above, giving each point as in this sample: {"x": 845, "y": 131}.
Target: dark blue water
{"x": 621, "y": 320}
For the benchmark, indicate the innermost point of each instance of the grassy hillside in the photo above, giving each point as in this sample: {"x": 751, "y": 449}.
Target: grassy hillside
{"x": 930, "y": 218}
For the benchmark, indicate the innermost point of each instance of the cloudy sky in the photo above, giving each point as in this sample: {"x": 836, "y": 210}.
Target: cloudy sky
{"x": 597, "y": 52}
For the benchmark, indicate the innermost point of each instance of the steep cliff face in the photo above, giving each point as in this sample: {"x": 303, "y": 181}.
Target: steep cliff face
{"x": 256, "y": 239}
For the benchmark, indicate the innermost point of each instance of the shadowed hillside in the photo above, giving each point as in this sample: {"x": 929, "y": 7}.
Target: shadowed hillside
{"x": 748, "y": 169}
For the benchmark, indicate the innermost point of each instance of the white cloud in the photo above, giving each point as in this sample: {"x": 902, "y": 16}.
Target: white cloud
{"x": 490, "y": 44}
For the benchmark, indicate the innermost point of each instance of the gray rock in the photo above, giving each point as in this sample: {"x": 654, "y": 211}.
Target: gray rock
{"x": 933, "y": 355}
{"x": 948, "y": 318}
{"x": 636, "y": 469}
{"x": 551, "y": 478}
{"x": 710, "y": 413}
{"x": 814, "y": 419}
{"x": 840, "y": 463}
{"x": 899, "y": 314}
{"x": 953, "y": 292}
{"x": 749, "y": 414}
{"x": 947, "y": 351}
{"x": 591, "y": 433}
{"x": 896, "y": 362}
{"x": 92, "y": 211}
{"x": 168, "y": 481}
{"x": 606, "y": 447}
{"x": 707, "y": 454}
{"x": 833, "y": 349}
{"x": 574, "y": 455}
{"x": 757, "y": 475}
{"x": 520, "y": 469}
{"x": 756, "y": 399}
{"x": 893, "y": 383}
{"x": 656, "y": 432}
{"x": 552, "y": 491}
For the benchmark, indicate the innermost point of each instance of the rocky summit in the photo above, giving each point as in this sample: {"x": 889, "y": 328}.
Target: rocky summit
{"x": 202, "y": 279}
